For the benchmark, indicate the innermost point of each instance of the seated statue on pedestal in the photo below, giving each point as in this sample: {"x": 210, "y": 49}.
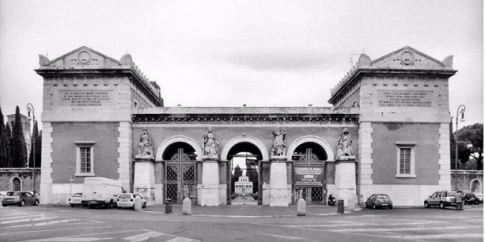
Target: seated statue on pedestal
{"x": 145, "y": 148}
{"x": 211, "y": 145}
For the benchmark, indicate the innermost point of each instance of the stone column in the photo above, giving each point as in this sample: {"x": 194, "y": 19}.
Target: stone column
{"x": 278, "y": 184}
{"x": 345, "y": 181}
{"x": 209, "y": 190}
{"x": 144, "y": 183}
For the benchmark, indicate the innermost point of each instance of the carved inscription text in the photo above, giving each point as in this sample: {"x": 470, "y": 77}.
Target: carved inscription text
{"x": 405, "y": 98}
{"x": 85, "y": 98}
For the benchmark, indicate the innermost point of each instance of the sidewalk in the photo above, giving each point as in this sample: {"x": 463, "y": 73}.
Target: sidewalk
{"x": 246, "y": 210}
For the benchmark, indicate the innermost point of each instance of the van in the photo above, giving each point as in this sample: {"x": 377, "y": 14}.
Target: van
{"x": 98, "y": 191}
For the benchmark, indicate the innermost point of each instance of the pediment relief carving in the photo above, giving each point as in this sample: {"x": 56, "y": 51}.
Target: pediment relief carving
{"x": 409, "y": 58}
{"x": 81, "y": 58}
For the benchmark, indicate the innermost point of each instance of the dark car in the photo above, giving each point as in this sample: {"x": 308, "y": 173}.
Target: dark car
{"x": 468, "y": 197}
{"x": 378, "y": 201}
{"x": 20, "y": 198}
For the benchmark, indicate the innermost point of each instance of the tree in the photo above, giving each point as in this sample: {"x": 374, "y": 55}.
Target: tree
{"x": 3, "y": 142}
{"x": 252, "y": 174}
{"x": 8, "y": 135}
{"x": 237, "y": 173}
{"x": 37, "y": 140}
{"x": 471, "y": 134}
{"x": 19, "y": 150}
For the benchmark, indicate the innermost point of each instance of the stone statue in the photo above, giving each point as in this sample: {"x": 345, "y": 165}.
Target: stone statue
{"x": 145, "y": 148}
{"x": 211, "y": 145}
{"x": 279, "y": 145}
{"x": 344, "y": 147}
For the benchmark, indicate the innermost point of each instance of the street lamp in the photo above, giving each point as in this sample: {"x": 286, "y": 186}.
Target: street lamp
{"x": 30, "y": 107}
{"x": 461, "y": 109}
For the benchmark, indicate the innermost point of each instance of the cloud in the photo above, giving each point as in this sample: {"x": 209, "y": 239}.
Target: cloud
{"x": 280, "y": 60}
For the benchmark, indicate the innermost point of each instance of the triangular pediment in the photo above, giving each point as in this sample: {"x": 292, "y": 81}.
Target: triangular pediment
{"x": 80, "y": 58}
{"x": 409, "y": 58}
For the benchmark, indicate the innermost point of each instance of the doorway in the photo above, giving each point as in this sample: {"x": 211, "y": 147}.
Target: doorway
{"x": 180, "y": 180}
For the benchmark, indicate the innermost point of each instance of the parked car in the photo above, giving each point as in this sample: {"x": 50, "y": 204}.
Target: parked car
{"x": 479, "y": 196}
{"x": 378, "y": 201}
{"x": 127, "y": 200}
{"x": 468, "y": 197}
{"x": 20, "y": 198}
{"x": 442, "y": 199}
{"x": 2, "y": 194}
{"x": 75, "y": 199}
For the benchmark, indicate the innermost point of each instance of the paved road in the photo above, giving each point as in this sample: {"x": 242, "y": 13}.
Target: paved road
{"x": 47, "y": 223}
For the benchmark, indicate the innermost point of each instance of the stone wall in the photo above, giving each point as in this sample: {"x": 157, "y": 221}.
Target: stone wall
{"x": 24, "y": 174}
{"x": 467, "y": 180}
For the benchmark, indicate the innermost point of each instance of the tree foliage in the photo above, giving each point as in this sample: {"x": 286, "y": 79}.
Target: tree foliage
{"x": 19, "y": 150}
{"x": 3, "y": 143}
{"x": 37, "y": 143}
{"x": 472, "y": 134}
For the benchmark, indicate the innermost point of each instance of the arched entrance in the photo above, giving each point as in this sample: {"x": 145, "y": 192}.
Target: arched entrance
{"x": 244, "y": 170}
{"x": 309, "y": 170}
{"x": 180, "y": 172}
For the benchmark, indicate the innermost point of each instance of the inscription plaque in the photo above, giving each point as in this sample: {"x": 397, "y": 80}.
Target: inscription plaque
{"x": 308, "y": 176}
{"x": 85, "y": 98}
{"x": 405, "y": 98}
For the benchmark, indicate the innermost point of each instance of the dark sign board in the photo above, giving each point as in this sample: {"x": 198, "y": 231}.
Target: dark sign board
{"x": 308, "y": 176}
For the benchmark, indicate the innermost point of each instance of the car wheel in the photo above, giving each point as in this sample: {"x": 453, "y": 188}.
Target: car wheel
{"x": 374, "y": 207}
{"x": 22, "y": 203}
{"x": 36, "y": 203}
{"x": 426, "y": 204}
{"x": 144, "y": 205}
{"x": 442, "y": 205}
{"x": 477, "y": 202}
{"x": 390, "y": 207}
{"x": 4, "y": 205}
{"x": 72, "y": 205}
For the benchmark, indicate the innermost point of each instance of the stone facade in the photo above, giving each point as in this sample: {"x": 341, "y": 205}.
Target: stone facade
{"x": 393, "y": 111}
{"x": 19, "y": 179}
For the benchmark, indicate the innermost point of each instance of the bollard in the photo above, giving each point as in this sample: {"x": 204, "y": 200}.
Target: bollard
{"x": 138, "y": 204}
{"x": 340, "y": 206}
{"x": 187, "y": 206}
{"x": 168, "y": 205}
{"x": 301, "y": 207}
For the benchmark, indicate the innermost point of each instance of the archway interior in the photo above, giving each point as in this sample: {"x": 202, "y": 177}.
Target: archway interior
{"x": 172, "y": 149}
{"x": 180, "y": 172}
{"x": 244, "y": 160}
{"x": 309, "y": 173}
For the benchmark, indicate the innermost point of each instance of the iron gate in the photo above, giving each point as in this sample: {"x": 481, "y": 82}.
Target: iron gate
{"x": 311, "y": 193}
{"x": 180, "y": 178}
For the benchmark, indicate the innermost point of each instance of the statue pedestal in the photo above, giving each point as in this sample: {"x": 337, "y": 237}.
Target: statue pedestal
{"x": 144, "y": 183}
{"x": 278, "y": 189}
{"x": 209, "y": 189}
{"x": 345, "y": 181}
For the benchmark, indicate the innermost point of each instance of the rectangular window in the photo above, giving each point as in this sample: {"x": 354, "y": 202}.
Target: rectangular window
{"x": 405, "y": 159}
{"x": 84, "y": 158}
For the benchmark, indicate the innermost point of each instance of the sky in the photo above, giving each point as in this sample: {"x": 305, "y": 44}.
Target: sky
{"x": 230, "y": 53}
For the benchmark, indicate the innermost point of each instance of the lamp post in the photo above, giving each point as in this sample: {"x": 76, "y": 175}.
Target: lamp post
{"x": 30, "y": 107}
{"x": 461, "y": 109}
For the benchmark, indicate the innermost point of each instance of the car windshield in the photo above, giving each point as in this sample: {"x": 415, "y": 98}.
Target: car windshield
{"x": 125, "y": 196}
{"x": 382, "y": 197}
{"x": 13, "y": 194}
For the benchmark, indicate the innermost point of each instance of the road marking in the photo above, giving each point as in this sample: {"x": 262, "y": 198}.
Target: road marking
{"x": 142, "y": 237}
{"x": 180, "y": 239}
{"x": 437, "y": 236}
{"x": 50, "y": 230}
{"x": 26, "y": 220}
{"x": 401, "y": 229}
{"x": 82, "y": 237}
{"x": 68, "y": 239}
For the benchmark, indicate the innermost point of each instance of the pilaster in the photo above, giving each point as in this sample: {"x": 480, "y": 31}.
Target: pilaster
{"x": 124, "y": 153}
{"x": 345, "y": 180}
{"x": 278, "y": 185}
{"x": 209, "y": 189}
{"x": 46, "y": 165}
{"x": 144, "y": 183}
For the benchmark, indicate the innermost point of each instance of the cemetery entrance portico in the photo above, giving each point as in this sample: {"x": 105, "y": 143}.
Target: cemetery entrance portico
{"x": 180, "y": 173}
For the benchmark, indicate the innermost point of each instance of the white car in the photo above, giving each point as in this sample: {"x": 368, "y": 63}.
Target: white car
{"x": 127, "y": 200}
{"x": 75, "y": 199}
{"x": 2, "y": 195}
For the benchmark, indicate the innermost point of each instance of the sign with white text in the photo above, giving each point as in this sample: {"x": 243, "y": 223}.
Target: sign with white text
{"x": 85, "y": 98}
{"x": 405, "y": 98}
{"x": 308, "y": 176}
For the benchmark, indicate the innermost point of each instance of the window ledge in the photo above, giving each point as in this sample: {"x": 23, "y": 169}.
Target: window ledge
{"x": 405, "y": 175}
{"x": 84, "y": 174}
